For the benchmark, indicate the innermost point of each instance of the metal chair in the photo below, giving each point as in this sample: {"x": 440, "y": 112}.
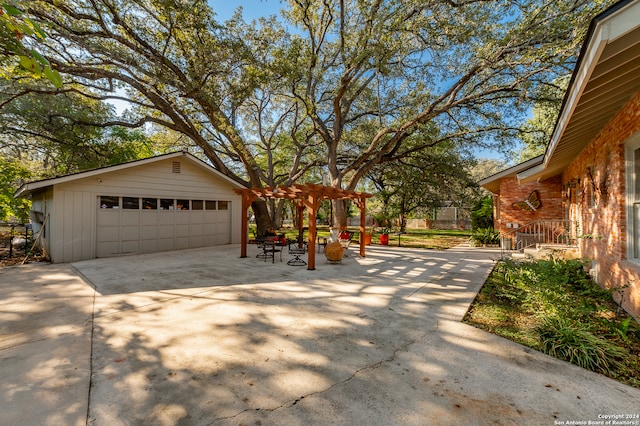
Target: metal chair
{"x": 296, "y": 250}
{"x": 269, "y": 249}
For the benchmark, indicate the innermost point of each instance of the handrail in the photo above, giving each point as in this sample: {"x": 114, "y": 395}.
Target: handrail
{"x": 559, "y": 231}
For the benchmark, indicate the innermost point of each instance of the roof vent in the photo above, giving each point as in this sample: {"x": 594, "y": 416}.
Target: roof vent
{"x": 176, "y": 167}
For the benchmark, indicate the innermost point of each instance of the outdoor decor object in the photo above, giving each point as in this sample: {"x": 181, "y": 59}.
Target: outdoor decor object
{"x": 532, "y": 203}
{"x": 334, "y": 251}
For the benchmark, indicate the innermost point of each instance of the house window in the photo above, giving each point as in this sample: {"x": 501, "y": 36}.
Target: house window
{"x": 150, "y": 203}
{"x": 166, "y": 204}
{"x": 633, "y": 199}
{"x": 130, "y": 203}
{"x": 223, "y": 205}
{"x": 197, "y": 204}
{"x": 182, "y": 204}
{"x": 210, "y": 205}
{"x": 108, "y": 202}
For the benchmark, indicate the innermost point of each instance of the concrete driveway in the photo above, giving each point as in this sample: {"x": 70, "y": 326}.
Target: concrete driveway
{"x": 204, "y": 337}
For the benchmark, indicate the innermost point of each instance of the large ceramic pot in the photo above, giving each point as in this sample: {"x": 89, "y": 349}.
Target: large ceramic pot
{"x": 334, "y": 251}
{"x": 384, "y": 239}
{"x": 367, "y": 239}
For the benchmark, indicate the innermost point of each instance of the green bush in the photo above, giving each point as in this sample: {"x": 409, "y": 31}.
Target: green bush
{"x": 482, "y": 213}
{"x": 485, "y": 236}
{"x": 572, "y": 341}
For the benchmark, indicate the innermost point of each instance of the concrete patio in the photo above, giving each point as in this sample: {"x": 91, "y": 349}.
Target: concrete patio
{"x": 203, "y": 337}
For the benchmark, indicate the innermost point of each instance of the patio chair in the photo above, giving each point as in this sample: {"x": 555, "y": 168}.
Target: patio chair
{"x": 269, "y": 249}
{"x": 296, "y": 250}
{"x": 322, "y": 242}
{"x": 344, "y": 238}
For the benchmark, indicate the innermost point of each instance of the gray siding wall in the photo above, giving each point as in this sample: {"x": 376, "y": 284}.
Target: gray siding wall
{"x": 73, "y": 221}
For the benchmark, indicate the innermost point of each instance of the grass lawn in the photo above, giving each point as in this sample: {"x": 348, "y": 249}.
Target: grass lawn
{"x": 553, "y": 306}
{"x": 419, "y": 238}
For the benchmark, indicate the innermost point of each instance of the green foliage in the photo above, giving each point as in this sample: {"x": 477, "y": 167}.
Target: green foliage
{"x": 482, "y": 236}
{"x": 15, "y": 26}
{"x": 12, "y": 173}
{"x": 553, "y": 305}
{"x": 537, "y": 130}
{"x": 574, "y": 342}
{"x": 344, "y": 87}
{"x": 482, "y": 213}
{"x": 61, "y": 133}
{"x": 422, "y": 181}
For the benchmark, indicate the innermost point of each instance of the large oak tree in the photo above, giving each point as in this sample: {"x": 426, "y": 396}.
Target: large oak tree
{"x": 374, "y": 80}
{"x": 381, "y": 79}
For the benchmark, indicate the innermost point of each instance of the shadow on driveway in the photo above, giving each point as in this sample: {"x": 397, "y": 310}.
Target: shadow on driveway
{"x": 204, "y": 337}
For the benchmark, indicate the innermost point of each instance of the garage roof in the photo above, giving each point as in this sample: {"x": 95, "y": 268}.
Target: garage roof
{"x": 606, "y": 77}
{"x": 28, "y": 188}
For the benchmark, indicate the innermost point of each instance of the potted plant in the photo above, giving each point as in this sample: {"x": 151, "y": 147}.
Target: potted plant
{"x": 384, "y": 236}
{"x": 367, "y": 237}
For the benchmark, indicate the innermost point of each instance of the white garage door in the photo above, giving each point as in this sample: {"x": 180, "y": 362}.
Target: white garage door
{"x": 128, "y": 225}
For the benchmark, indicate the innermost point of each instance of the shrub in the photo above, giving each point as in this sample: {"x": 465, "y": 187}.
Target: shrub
{"x": 482, "y": 213}
{"x": 572, "y": 341}
{"x": 485, "y": 236}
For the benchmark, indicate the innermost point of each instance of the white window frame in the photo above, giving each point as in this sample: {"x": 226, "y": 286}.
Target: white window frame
{"x": 633, "y": 243}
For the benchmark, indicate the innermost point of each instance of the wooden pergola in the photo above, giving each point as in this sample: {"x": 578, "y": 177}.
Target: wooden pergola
{"x": 309, "y": 196}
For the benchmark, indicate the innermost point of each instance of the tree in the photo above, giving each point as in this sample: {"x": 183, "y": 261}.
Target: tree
{"x": 369, "y": 75}
{"x": 482, "y": 213}
{"x": 425, "y": 179}
{"x": 485, "y": 167}
{"x": 53, "y": 129}
{"x": 12, "y": 174}
{"x": 537, "y": 130}
{"x": 183, "y": 71}
{"x": 388, "y": 69}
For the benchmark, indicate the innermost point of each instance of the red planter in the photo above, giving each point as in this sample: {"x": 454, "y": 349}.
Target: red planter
{"x": 384, "y": 239}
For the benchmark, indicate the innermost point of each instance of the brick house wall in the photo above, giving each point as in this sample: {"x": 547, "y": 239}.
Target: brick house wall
{"x": 599, "y": 204}
{"x": 506, "y": 215}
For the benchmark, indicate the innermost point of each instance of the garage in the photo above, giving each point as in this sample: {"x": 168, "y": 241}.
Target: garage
{"x": 169, "y": 202}
{"x": 129, "y": 225}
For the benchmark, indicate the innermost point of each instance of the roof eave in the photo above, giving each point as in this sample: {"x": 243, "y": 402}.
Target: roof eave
{"x": 492, "y": 183}
{"x": 28, "y": 188}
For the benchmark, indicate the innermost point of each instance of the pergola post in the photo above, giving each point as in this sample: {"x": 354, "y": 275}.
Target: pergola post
{"x": 312, "y": 207}
{"x": 247, "y": 199}
{"x": 362, "y": 205}
{"x": 300, "y": 224}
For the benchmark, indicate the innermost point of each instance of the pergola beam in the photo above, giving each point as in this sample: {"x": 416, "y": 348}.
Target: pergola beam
{"x": 310, "y": 196}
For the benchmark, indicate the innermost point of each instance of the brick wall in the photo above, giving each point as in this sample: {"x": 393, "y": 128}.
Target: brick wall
{"x": 599, "y": 206}
{"x": 550, "y": 193}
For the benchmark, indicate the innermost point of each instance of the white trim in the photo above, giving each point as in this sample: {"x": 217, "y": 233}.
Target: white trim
{"x": 631, "y": 145}
{"x": 532, "y": 162}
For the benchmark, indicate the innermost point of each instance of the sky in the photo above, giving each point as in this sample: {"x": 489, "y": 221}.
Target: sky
{"x": 251, "y": 9}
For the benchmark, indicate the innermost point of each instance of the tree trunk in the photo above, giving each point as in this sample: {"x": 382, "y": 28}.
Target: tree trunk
{"x": 339, "y": 213}
{"x": 263, "y": 220}
{"x": 278, "y": 213}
